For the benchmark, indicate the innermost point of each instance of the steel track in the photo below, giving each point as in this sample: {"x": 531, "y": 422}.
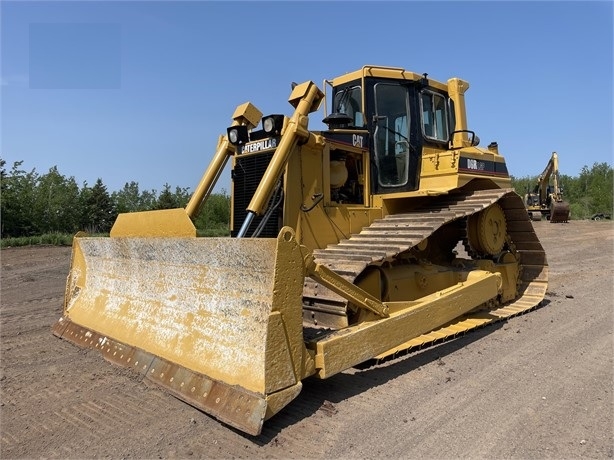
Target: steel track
{"x": 388, "y": 237}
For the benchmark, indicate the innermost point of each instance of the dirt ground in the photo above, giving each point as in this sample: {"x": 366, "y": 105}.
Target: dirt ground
{"x": 536, "y": 386}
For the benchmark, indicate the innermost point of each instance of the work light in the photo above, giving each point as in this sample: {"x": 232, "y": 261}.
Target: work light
{"x": 237, "y": 135}
{"x": 272, "y": 124}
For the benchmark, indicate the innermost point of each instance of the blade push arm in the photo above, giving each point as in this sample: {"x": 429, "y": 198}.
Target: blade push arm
{"x": 246, "y": 115}
{"x": 305, "y": 98}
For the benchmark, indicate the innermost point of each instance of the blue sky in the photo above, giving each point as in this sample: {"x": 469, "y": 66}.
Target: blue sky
{"x": 140, "y": 91}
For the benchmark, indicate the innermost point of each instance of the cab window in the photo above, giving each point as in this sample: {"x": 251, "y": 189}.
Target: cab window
{"x": 434, "y": 116}
{"x": 349, "y": 102}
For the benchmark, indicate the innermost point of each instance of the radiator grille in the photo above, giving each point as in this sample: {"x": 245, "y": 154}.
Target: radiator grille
{"x": 246, "y": 176}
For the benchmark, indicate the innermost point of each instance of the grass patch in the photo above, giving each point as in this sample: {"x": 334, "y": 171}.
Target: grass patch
{"x": 54, "y": 239}
{"x": 65, "y": 239}
{"x": 213, "y": 232}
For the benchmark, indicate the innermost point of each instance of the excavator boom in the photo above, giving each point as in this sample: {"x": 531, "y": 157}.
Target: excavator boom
{"x": 547, "y": 199}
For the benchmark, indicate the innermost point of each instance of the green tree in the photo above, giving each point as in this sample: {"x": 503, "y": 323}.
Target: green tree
{"x": 18, "y": 197}
{"x": 214, "y": 216}
{"x": 3, "y": 190}
{"x": 601, "y": 188}
{"x": 170, "y": 200}
{"x": 591, "y": 192}
{"x": 54, "y": 201}
{"x": 182, "y": 196}
{"x": 166, "y": 200}
{"x": 522, "y": 185}
{"x": 130, "y": 199}
{"x": 98, "y": 213}
{"x": 127, "y": 199}
{"x": 148, "y": 199}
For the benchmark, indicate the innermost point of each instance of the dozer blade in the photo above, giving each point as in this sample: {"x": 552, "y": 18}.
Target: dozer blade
{"x": 216, "y": 321}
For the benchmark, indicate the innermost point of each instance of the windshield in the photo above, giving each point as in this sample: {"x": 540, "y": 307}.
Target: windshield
{"x": 349, "y": 102}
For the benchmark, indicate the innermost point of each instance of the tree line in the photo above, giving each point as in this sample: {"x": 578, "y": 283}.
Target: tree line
{"x": 589, "y": 193}
{"x": 36, "y": 204}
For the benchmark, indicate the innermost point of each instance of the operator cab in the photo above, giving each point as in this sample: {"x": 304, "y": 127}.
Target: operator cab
{"x": 401, "y": 114}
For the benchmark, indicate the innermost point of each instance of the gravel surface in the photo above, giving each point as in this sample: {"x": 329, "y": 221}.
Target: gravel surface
{"x": 536, "y": 386}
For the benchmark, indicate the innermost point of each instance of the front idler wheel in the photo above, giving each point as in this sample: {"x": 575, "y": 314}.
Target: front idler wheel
{"x": 487, "y": 230}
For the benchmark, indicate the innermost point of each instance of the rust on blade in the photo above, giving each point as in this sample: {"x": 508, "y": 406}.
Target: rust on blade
{"x": 111, "y": 350}
{"x": 233, "y": 405}
{"x": 59, "y": 327}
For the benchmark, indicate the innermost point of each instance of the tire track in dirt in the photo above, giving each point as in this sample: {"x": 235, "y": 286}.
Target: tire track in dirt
{"x": 22, "y": 316}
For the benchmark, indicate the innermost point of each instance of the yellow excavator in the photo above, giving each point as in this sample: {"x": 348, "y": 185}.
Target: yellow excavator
{"x": 546, "y": 198}
{"x": 389, "y": 230}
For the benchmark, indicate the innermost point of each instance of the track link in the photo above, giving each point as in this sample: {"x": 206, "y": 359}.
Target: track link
{"x": 394, "y": 234}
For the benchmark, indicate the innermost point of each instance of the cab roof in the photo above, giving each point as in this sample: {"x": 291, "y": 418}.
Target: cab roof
{"x": 396, "y": 73}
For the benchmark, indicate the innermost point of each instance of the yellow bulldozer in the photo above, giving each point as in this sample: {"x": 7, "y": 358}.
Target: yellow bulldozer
{"x": 546, "y": 198}
{"x": 389, "y": 230}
